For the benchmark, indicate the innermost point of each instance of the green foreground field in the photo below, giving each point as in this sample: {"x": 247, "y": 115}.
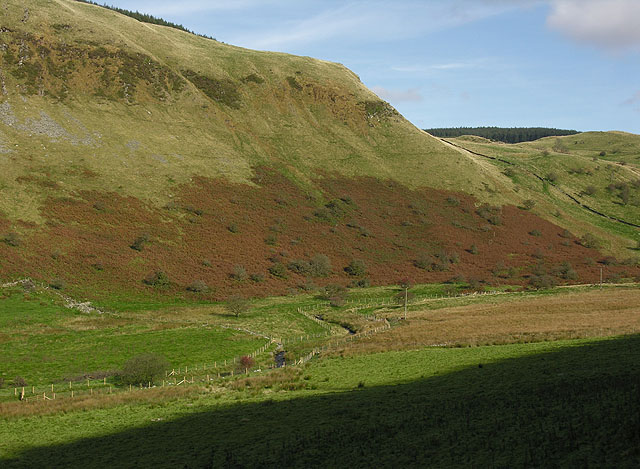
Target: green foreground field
{"x": 565, "y": 403}
{"x": 558, "y": 403}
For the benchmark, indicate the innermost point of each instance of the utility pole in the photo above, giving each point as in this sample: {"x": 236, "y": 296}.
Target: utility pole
{"x": 600, "y": 276}
{"x": 406, "y": 296}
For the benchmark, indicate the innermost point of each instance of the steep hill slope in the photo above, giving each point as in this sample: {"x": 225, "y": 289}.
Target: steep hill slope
{"x": 137, "y": 159}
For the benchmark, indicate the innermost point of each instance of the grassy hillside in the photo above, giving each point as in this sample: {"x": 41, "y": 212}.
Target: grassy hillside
{"x": 141, "y": 160}
{"x": 598, "y": 170}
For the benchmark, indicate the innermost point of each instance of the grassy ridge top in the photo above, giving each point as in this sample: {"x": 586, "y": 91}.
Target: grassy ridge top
{"x": 110, "y": 103}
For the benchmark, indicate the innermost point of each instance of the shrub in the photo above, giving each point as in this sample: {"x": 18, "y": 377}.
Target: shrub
{"x": 334, "y": 293}
{"x": 158, "y": 279}
{"x": 566, "y": 234}
{"x": 528, "y": 204}
{"x": 19, "y": 382}
{"x": 271, "y": 240}
{"x": 538, "y": 254}
{"x": 143, "y": 369}
{"x": 608, "y": 260}
{"x": 361, "y": 283}
{"x": 542, "y": 281}
{"x": 233, "y": 228}
{"x": 473, "y": 249}
{"x": 299, "y": 266}
{"x": 257, "y": 278}
{"x": 603, "y": 153}
{"x": 320, "y": 266}
{"x": 12, "y": 239}
{"x": 590, "y": 190}
{"x": 356, "y": 268}
{"x": 140, "y": 242}
{"x": 589, "y": 241}
{"x": 237, "y": 305}
{"x": 198, "y": 287}
{"x": 453, "y": 201}
{"x": 206, "y": 262}
{"x": 239, "y": 273}
{"x": 565, "y": 270}
{"x": 278, "y": 270}
{"x": 509, "y": 172}
{"x": 535, "y": 233}
{"x": 246, "y": 362}
{"x": 552, "y": 177}
{"x": 57, "y": 284}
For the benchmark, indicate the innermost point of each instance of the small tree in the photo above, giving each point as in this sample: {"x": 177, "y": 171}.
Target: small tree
{"x": 143, "y": 369}
{"x": 528, "y": 204}
{"x": 237, "y": 305}
{"x": 356, "y": 268}
{"x": 246, "y": 362}
{"x": 157, "y": 279}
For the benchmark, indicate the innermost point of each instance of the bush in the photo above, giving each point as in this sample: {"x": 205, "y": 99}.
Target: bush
{"x": 473, "y": 249}
{"x": 233, "y": 228}
{"x": 453, "y": 201}
{"x": 237, "y": 305}
{"x": 246, "y": 362}
{"x": 140, "y": 242}
{"x": 12, "y": 239}
{"x": 257, "y": 278}
{"x": 239, "y": 273}
{"x": 590, "y": 190}
{"x": 552, "y": 177}
{"x": 535, "y": 233}
{"x": 19, "y": 382}
{"x": 57, "y": 284}
{"x": 158, "y": 279}
{"x": 299, "y": 266}
{"x": 361, "y": 283}
{"x": 589, "y": 241}
{"x": 565, "y": 271}
{"x": 528, "y": 204}
{"x": 320, "y": 266}
{"x": 356, "y": 268}
{"x": 566, "y": 234}
{"x": 198, "y": 287}
{"x": 143, "y": 369}
{"x": 278, "y": 270}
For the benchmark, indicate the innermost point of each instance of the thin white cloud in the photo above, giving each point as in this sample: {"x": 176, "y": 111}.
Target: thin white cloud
{"x": 374, "y": 21}
{"x": 633, "y": 101}
{"x": 612, "y": 24}
{"x": 397, "y": 96}
{"x": 445, "y": 66}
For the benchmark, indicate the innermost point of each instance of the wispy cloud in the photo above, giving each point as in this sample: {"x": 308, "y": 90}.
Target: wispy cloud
{"x": 457, "y": 65}
{"x": 396, "y": 96}
{"x": 374, "y": 21}
{"x": 633, "y": 101}
{"x": 612, "y": 24}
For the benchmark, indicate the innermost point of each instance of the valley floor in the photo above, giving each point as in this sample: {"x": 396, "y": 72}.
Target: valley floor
{"x": 546, "y": 378}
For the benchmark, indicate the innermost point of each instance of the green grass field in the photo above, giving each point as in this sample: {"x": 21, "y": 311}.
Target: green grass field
{"x": 566, "y": 403}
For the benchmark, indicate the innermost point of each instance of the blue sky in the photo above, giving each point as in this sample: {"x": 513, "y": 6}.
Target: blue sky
{"x": 447, "y": 63}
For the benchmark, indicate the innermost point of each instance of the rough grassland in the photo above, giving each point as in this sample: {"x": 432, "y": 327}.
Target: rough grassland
{"x": 564, "y": 403}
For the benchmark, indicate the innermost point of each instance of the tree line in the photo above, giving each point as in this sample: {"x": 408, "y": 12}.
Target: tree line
{"x": 502, "y": 134}
{"x": 145, "y": 18}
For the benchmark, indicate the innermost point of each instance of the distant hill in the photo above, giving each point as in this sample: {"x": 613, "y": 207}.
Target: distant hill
{"x": 501, "y": 134}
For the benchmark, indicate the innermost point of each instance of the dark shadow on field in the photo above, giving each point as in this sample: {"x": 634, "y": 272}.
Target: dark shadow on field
{"x": 574, "y": 407}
